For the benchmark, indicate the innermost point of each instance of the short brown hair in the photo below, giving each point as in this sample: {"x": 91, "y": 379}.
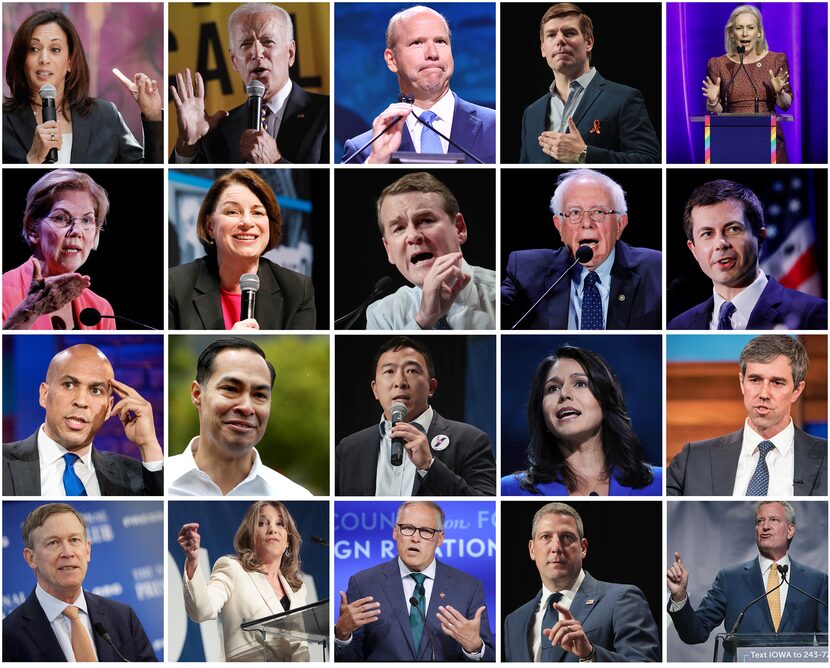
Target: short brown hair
{"x": 421, "y": 182}
{"x": 257, "y": 185}
{"x": 586, "y": 26}
{"x": 723, "y": 190}
{"x": 764, "y": 349}
{"x": 556, "y": 508}
{"x": 39, "y": 515}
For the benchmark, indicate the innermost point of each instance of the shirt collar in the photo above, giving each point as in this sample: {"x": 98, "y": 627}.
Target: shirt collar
{"x": 405, "y": 570}
{"x": 424, "y": 419}
{"x": 568, "y": 594}
{"x": 603, "y": 271}
{"x": 50, "y": 451}
{"x": 189, "y": 464}
{"x": 783, "y": 441}
{"x": 54, "y": 607}
{"x": 583, "y": 80}
{"x": 746, "y": 299}
{"x": 277, "y": 102}
{"x": 765, "y": 563}
{"x": 443, "y": 109}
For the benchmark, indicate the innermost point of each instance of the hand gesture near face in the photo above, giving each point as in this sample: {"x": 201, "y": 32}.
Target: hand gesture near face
{"x": 136, "y": 416}
{"x": 190, "y": 540}
{"x": 193, "y": 121}
{"x": 677, "y": 579}
{"x": 442, "y": 284}
{"x": 145, "y": 92}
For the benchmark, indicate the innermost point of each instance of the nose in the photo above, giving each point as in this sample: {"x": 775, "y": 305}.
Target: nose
{"x": 43, "y": 56}
{"x": 258, "y": 49}
{"x": 431, "y": 51}
{"x": 564, "y": 394}
{"x": 414, "y": 234}
{"x": 721, "y": 241}
{"x": 244, "y": 405}
{"x": 400, "y": 378}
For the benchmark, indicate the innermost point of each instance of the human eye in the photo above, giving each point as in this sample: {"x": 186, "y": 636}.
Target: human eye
{"x": 68, "y": 384}
{"x": 87, "y": 221}
{"x": 552, "y": 388}
{"x": 60, "y": 219}
{"x": 545, "y": 538}
{"x": 259, "y": 213}
{"x": 580, "y": 383}
{"x": 56, "y": 49}
{"x": 262, "y": 522}
{"x": 97, "y": 391}
{"x": 261, "y": 395}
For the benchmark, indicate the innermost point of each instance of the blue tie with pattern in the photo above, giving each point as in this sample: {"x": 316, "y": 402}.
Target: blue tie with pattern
{"x": 725, "y": 316}
{"x": 71, "y": 482}
{"x": 759, "y": 482}
{"x": 548, "y": 622}
{"x": 430, "y": 141}
{"x": 591, "y": 303}
{"x": 416, "y": 619}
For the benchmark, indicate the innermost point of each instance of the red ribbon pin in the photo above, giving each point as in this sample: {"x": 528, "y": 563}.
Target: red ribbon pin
{"x": 595, "y": 129}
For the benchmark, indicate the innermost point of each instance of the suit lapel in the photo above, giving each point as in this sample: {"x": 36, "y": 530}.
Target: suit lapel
{"x": 724, "y": 463}
{"x": 557, "y": 303}
{"x": 98, "y": 614}
{"x": 808, "y": 462}
{"x": 207, "y": 302}
{"x": 789, "y": 615}
{"x": 624, "y": 284}
{"x": 23, "y": 465}
{"x": 111, "y": 479}
{"x": 588, "y": 98}
{"x": 701, "y": 315}
{"x": 270, "y": 304}
{"x": 81, "y": 129}
{"x": 586, "y": 599}
{"x": 755, "y": 584}
{"x": 266, "y": 591}
{"x": 232, "y": 132}
{"x": 393, "y": 589}
{"x": 465, "y": 125}
{"x": 765, "y": 314}
{"x": 39, "y": 630}
{"x": 438, "y": 426}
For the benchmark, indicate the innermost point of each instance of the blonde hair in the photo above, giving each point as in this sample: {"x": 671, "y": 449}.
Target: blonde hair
{"x": 244, "y": 544}
{"x": 731, "y": 44}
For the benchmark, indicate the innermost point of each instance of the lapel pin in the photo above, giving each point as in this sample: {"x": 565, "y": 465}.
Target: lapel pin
{"x": 595, "y": 129}
{"x": 440, "y": 442}
{"x": 590, "y": 601}
{"x": 621, "y": 298}
{"x": 442, "y": 595}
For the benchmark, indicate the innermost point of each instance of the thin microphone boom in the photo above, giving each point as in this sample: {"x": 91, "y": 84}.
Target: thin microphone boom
{"x": 348, "y": 321}
{"x": 414, "y": 603}
{"x": 443, "y": 136}
{"x": 783, "y": 570}
{"x": 101, "y": 630}
{"x": 408, "y": 99}
{"x": 90, "y": 317}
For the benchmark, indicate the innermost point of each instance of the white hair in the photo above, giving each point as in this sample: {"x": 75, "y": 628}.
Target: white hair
{"x": 557, "y": 202}
{"x": 251, "y": 8}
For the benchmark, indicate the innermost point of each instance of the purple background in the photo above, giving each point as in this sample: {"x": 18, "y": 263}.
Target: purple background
{"x": 694, "y": 33}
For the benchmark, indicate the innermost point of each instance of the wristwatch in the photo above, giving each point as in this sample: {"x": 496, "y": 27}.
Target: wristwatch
{"x": 583, "y": 156}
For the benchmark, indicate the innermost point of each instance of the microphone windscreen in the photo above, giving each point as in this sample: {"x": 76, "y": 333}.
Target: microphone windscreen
{"x": 255, "y": 89}
{"x": 584, "y": 254}
{"x": 741, "y": 49}
{"x": 90, "y": 317}
{"x": 249, "y": 281}
{"x": 100, "y": 629}
{"x": 48, "y": 91}
{"x": 398, "y": 412}
{"x": 384, "y": 284}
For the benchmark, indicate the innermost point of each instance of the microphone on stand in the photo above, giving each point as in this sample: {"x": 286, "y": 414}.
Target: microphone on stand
{"x": 348, "y": 321}
{"x": 90, "y": 317}
{"x": 408, "y": 99}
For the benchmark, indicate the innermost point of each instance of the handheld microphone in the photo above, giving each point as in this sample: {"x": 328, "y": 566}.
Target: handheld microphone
{"x": 408, "y": 99}
{"x": 398, "y": 413}
{"x": 249, "y": 284}
{"x": 101, "y": 630}
{"x": 348, "y": 321}
{"x": 48, "y": 93}
{"x": 583, "y": 254}
{"x": 783, "y": 571}
{"x": 255, "y": 91}
{"x": 92, "y": 316}
{"x": 414, "y": 603}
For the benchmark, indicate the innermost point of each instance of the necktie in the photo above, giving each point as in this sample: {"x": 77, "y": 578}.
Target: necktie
{"x": 81, "y": 642}
{"x": 759, "y": 482}
{"x": 591, "y": 303}
{"x": 71, "y": 482}
{"x": 416, "y": 619}
{"x": 548, "y": 622}
{"x": 263, "y": 117}
{"x": 774, "y": 599}
{"x": 430, "y": 141}
{"x": 726, "y": 311}
{"x": 442, "y": 323}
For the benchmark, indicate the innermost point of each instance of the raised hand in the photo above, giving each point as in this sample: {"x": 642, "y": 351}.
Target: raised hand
{"x": 192, "y": 119}
{"x": 711, "y": 89}
{"x": 390, "y": 142}
{"x": 443, "y": 282}
{"x": 569, "y": 634}
{"x": 189, "y": 540}
{"x": 466, "y": 632}
{"x": 45, "y": 295}
{"x": 677, "y": 579}
{"x": 136, "y": 416}
{"x": 780, "y": 80}
{"x": 145, "y": 92}
{"x": 354, "y": 615}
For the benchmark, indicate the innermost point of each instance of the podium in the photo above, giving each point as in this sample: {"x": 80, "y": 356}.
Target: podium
{"x": 771, "y": 648}
{"x": 746, "y": 139}
{"x": 307, "y": 624}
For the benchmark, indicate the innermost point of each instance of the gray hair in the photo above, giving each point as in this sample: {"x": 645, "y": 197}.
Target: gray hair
{"x": 392, "y": 27}
{"x": 617, "y": 194}
{"x": 428, "y": 504}
{"x": 251, "y": 8}
{"x": 789, "y": 511}
{"x": 557, "y": 508}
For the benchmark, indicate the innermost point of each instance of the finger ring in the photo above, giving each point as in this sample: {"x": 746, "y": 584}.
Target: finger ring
{"x": 52, "y": 137}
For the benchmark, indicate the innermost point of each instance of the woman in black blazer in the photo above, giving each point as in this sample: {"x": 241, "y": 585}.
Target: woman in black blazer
{"x": 47, "y": 51}
{"x": 238, "y": 222}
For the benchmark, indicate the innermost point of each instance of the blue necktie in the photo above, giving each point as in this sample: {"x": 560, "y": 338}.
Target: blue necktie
{"x": 430, "y": 141}
{"x": 548, "y": 622}
{"x": 71, "y": 482}
{"x": 725, "y": 315}
{"x": 416, "y": 619}
{"x": 759, "y": 482}
{"x": 591, "y": 303}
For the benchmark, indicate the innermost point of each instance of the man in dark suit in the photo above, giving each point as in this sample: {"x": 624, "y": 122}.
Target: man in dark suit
{"x": 791, "y": 608}
{"x": 384, "y": 613}
{"x": 56, "y": 621}
{"x": 576, "y": 617}
{"x": 440, "y": 457}
{"x": 620, "y": 287}
{"x": 724, "y": 225}
{"x": 769, "y": 455}
{"x": 296, "y": 123}
{"x": 584, "y": 118}
{"x": 418, "y": 51}
{"x": 59, "y": 458}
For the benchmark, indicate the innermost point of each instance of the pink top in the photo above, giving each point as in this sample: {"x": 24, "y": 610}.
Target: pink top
{"x": 231, "y": 307}
{"x": 16, "y": 286}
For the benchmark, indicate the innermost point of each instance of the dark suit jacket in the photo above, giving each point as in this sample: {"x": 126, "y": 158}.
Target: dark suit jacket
{"x": 464, "y": 468}
{"x": 616, "y": 619}
{"x": 636, "y": 300}
{"x": 101, "y": 136}
{"x": 473, "y": 127}
{"x": 117, "y": 475}
{"x": 708, "y": 468}
{"x": 390, "y": 638}
{"x": 736, "y": 586}
{"x": 303, "y": 136}
{"x": 28, "y": 636}
{"x": 777, "y": 307}
{"x": 625, "y": 131}
{"x": 285, "y": 299}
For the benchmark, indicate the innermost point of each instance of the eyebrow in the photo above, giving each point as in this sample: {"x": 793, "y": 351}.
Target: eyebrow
{"x": 77, "y": 381}
{"x": 575, "y": 374}
{"x": 65, "y": 210}
{"x": 239, "y": 381}
{"x": 392, "y": 365}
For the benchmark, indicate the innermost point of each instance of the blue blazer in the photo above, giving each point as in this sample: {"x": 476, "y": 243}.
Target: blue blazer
{"x": 777, "y": 307}
{"x": 625, "y": 131}
{"x": 616, "y": 619}
{"x": 736, "y": 586}
{"x": 511, "y": 486}
{"x": 390, "y": 638}
{"x": 636, "y": 300}
{"x": 28, "y": 636}
{"x": 473, "y": 127}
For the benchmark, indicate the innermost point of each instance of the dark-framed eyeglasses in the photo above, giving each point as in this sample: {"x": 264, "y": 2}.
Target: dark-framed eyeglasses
{"x": 427, "y": 533}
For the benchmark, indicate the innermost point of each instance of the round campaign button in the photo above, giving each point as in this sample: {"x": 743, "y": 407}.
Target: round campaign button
{"x": 440, "y": 442}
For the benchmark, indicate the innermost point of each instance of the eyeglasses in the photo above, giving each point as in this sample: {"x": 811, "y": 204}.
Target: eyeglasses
{"x": 63, "y": 221}
{"x": 424, "y": 532}
{"x": 574, "y": 216}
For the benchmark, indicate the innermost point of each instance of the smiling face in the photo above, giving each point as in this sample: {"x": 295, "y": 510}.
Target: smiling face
{"x": 234, "y": 403}
{"x": 47, "y": 60}
{"x": 422, "y": 57}
{"x": 417, "y": 230}
{"x": 571, "y": 411}
{"x": 238, "y": 224}
{"x": 259, "y": 51}
{"x": 772, "y": 531}
{"x": 565, "y": 48}
{"x": 558, "y": 551}
{"x": 402, "y": 377}
{"x": 585, "y": 194}
{"x": 64, "y": 250}
{"x": 416, "y": 552}
{"x": 59, "y": 556}
{"x": 77, "y": 396}
{"x": 746, "y": 31}
{"x": 769, "y": 392}
{"x": 271, "y": 537}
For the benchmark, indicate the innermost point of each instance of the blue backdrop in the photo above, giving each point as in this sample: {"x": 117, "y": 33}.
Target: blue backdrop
{"x": 218, "y": 522}
{"x": 126, "y": 565}
{"x": 694, "y": 34}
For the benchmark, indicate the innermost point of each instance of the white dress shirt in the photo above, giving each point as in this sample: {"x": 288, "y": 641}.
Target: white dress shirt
{"x": 558, "y": 107}
{"x": 603, "y": 271}
{"x": 765, "y": 565}
{"x": 568, "y": 596}
{"x": 473, "y": 308}
{"x": 397, "y": 480}
{"x": 52, "y": 467}
{"x": 780, "y": 461}
{"x": 444, "y": 110}
{"x": 187, "y": 479}
{"x": 65, "y": 151}
{"x": 744, "y": 302}
{"x": 53, "y": 608}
